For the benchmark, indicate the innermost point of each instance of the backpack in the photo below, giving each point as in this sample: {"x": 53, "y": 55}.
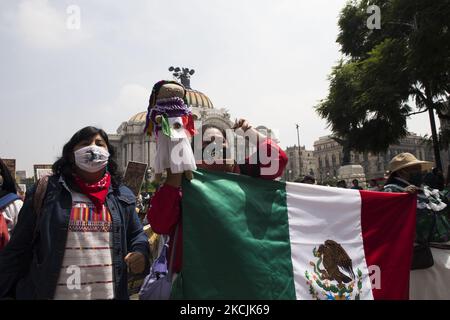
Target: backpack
{"x": 8, "y": 199}
{"x": 4, "y": 233}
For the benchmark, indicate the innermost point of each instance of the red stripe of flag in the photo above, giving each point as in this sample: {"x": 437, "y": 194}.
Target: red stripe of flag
{"x": 388, "y": 222}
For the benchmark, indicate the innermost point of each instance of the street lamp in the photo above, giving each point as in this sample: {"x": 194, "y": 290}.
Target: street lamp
{"x": 299, "y": 150}
{"x": 183, "y": 74}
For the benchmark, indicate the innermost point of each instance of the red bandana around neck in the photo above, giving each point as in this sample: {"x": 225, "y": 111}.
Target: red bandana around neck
{"x": 96, "y": 192}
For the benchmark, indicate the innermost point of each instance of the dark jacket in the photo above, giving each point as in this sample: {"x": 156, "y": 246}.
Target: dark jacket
{"x": 30, "y": 268}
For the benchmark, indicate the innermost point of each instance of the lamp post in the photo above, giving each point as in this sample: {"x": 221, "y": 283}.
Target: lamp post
{"x": 299, "y": 150}
{"x": 183, "y": 74}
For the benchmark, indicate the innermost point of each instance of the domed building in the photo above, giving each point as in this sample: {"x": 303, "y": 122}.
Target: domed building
{"x": 133, "y": 145}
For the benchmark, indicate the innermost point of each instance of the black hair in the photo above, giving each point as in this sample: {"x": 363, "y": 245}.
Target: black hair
{"x": 203, "y": 129}
{"x": 211, "y": 126}
{"x": 65, "y": 166}
{"x": 9, "y": 184}
{"x": 341, "y": 182}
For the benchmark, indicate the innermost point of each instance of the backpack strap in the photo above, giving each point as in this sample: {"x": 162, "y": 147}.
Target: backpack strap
{"x": 8, "y": 199}
{"x": 38, "y": 200}
{"x": 4, "y": 235}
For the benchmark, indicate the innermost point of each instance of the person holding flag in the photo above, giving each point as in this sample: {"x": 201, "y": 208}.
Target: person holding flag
{"x": 430, "y": 271}
{"x": 165, "y": 209}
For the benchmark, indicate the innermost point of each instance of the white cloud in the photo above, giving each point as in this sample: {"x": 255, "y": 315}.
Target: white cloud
{"x": 132, "y": 99}
{"x": 133, "y": 96}
{"x": 42, "y": 26}
{"x": 264, "y": 60}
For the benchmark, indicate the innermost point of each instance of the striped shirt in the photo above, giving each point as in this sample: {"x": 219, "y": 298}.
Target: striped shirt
{"x": 87, "y": 268}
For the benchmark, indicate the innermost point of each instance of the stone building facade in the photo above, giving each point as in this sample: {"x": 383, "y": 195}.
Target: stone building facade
{"x": 303, "y": 159}
{"x": 328, "y": 154}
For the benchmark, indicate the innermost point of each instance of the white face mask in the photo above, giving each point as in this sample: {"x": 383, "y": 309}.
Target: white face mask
{"x": 91, "y": 158}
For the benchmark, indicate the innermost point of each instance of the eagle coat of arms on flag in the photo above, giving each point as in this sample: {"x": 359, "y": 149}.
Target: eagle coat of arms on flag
{"x": 333, "y": 274}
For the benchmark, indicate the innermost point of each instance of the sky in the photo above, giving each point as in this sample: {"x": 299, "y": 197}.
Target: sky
{"x": 266, "y": 61}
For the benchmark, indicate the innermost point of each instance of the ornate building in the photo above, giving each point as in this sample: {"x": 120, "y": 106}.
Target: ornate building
{"x": 132, "y": 145}
{"x": 308, "y": 163}
{"x": 329, "y": 156}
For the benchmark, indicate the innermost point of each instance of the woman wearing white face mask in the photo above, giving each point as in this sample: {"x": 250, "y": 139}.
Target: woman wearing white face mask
{"x": 86, "y": 235}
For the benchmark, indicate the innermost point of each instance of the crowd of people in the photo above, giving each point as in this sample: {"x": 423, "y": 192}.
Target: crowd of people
{"x": 431, "y": 177}
{"x": 83, "y": 217}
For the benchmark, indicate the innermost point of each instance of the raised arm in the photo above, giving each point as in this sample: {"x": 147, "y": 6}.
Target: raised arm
{"x": 269, "y": 160}
{"x": 164, "y": 211}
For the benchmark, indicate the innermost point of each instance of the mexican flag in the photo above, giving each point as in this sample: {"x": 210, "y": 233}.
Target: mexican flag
{"x": 248, "y": 238}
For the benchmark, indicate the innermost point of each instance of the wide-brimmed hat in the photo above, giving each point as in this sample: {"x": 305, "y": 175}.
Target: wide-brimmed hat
{"x": 404, "y": 160}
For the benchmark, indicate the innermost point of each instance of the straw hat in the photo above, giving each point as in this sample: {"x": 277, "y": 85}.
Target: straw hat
{"x": 404, "y": 160}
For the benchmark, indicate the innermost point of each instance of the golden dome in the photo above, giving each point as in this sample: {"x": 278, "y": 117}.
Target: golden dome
{"x": 197, "y": 99}
{"x": 139, "y": 117}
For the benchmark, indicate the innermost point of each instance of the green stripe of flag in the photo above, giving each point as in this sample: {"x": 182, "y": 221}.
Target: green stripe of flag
{"x": 236, "y": 238}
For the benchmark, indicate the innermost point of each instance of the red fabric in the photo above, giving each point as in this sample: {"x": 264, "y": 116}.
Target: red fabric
{"x": 163, "y": 215}
{"x": 282, "y": 159}
{"x": 188, "y": 123}
{"x": 96, "y": 192}
{"x": 278, "y": 162}
{"x": 165, "y": 206}
{"x": 4, "y": 235}
{"x": 388, "y": 222}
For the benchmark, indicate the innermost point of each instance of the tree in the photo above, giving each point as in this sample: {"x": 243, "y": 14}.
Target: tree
{"x": 407, "y": 59}
{"x": 364, "y": 120}
{"x": 444, "y": 134}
